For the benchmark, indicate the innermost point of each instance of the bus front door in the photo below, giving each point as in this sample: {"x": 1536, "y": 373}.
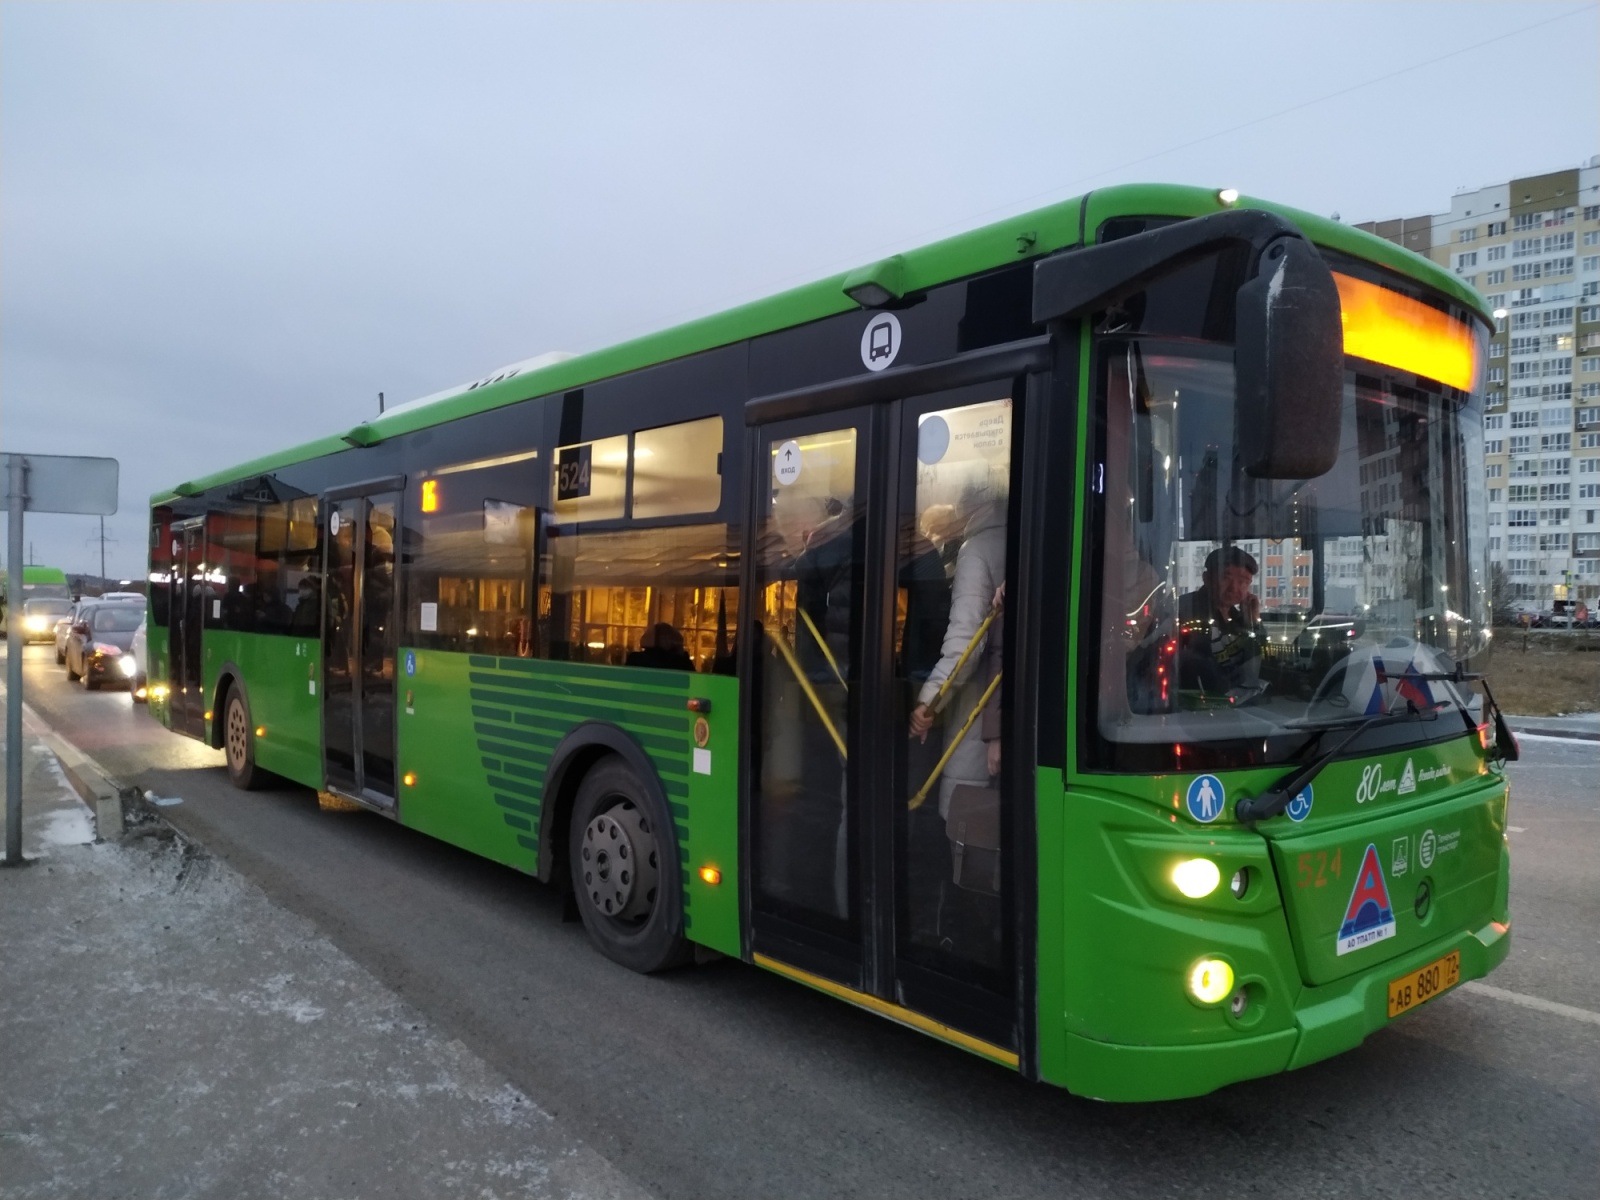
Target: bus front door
{"x": 880, "y": 846}
{"x": 359, "y": 644}
{"x": 186, "y": 699}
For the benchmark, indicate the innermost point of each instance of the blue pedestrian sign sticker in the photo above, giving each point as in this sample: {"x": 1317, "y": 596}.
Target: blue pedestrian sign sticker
{"x": 411, "y": 662}
{"x": 1300, "y": 807}
{"x": 1207, "y": 798}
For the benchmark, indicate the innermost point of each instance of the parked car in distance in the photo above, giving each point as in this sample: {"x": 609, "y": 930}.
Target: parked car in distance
{"x": 39, "y": 618}
{"x": 100, "y": 635}
{"x": 136, "y": 664}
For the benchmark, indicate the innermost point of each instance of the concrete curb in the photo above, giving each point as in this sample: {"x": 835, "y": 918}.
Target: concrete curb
{"x": 1570, "y": 734}
{"x": 99, "y": 790}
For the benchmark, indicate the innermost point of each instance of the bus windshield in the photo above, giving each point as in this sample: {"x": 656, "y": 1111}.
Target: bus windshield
{"x": 1238, "y": 617}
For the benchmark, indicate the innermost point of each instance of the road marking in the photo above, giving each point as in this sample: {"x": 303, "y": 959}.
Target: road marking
{"x": 1516, "y": 829}
{"x": 1534, "y": 1002}
{"x": 1569, "y": 738}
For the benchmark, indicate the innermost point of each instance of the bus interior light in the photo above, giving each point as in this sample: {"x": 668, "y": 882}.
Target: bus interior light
{"x": 1196, "y": 878}
{"x": 1210, "y": 980}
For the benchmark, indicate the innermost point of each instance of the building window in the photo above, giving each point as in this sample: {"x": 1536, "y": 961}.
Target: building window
{"x": 1587, "y": 365}
{"x": 1494, "y": 471}
{"x": 1494, "y": 277}
{"x": 1527, "y": 270}
{"x": 1592, "y": 238}
{"x": 1467, "y": 235}
{"x": 1497, "y": 374}
{"x": 1498, "y": 421}
{"x": 1494, "y": 254}
{"x": 1495, "y": 494}
{"x": 1591, "y": 262}
{"x": 1557, "y": 242}
{"x": 1591, "y": 212}
{"x": 1589, "y": 441}
{"x": 1463, "y": 261}
{"x": 1591, "y": 313}
{"x": 1495, "y": 447}
{"x": 1497, "y": 229}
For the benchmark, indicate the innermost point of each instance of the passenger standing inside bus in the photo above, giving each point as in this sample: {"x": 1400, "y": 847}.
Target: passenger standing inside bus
{"x": 979, "y": 574}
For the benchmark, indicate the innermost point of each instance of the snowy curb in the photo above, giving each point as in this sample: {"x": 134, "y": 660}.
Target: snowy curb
{"x": 99, "y": 791}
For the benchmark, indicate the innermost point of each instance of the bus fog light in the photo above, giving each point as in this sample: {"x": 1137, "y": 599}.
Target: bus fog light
{"x": 1196, "y": 877}
{"x": 1210, "y": 980}
{"x": 1239, "y": 1002}
{"x": 1240, "y": 883}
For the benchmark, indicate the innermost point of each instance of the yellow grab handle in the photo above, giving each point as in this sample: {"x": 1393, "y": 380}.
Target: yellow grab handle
{"x": 811, "y": 694}
{"x": 826, "y": 653}
{"x": 944, "y": 759}
{"x": 942, "y": 696}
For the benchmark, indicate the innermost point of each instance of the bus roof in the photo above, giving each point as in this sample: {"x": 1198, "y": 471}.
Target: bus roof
{"x": 1029, "y": 235}
{"x": 33, "y": 575}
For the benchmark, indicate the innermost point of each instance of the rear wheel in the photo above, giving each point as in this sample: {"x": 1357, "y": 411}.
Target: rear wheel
{"x": 238, "y": 742}
{"x": 624, "y": 863}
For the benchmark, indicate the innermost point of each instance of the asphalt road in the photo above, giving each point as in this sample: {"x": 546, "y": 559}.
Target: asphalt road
{"x": 724, "y": 1080}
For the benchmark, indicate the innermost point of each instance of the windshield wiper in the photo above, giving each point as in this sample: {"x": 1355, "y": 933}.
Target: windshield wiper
{"x": 1276, "y": 798}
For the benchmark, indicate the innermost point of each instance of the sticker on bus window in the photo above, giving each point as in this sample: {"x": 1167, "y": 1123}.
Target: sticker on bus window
{"x": 428, "y": 619}
{"x": 1207, "y": 798}
{"x": 786, "y": 463}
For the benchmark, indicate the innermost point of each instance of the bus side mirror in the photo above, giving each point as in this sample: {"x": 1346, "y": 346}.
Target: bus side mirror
{"x": 1288, "y": 365}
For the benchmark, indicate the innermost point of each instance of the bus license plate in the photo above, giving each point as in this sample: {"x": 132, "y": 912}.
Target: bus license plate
{"x": 1411, "y": 990}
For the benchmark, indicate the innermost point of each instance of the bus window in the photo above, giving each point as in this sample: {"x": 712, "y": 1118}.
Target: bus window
{"x": 604, "y": 596}
{"x": 677, "y": 469}
{"x": 469, "y": 561}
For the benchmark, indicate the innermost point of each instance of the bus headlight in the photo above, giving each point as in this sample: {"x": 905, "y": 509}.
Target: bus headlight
{"x": 1210, "y": 980}
{"x": 1196, "y": 877}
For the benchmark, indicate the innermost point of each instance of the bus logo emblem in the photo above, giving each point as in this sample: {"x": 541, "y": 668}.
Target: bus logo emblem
{"x": 880, "y": 341}
{"x": 1207, "y": 798}
{"x": 1369, "y": 917}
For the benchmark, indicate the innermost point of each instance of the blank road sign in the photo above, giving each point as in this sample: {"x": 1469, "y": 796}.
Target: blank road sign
{"x": 58, "y": 483}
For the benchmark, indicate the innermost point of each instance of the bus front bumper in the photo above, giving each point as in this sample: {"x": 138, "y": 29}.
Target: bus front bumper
{"x": 1328, "y": 1020}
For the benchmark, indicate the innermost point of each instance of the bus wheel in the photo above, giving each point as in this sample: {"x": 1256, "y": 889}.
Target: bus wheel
{"x": 624, "y": 865}
{"x": 237, "y": 744}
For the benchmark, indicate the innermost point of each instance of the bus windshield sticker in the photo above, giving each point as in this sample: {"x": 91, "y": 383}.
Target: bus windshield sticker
{"x": 786, "y": 463}
{"x": 880, "y": 341}
{"x": 429, "y": 618}
{"x": 1300, "y": 807}
{"x": 1207, "y": 798}
{"x": 1368, "y": 918}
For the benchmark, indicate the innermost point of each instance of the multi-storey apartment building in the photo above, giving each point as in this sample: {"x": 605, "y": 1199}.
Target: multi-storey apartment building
{"x": 1532, "y": 246}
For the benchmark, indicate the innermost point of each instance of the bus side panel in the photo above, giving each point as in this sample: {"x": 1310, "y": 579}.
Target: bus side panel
{"x": 158, "y": 672}
{"x": 279, "y": 673}
{"x": 1129, "y": 940}
{"x": 476, "y": 738}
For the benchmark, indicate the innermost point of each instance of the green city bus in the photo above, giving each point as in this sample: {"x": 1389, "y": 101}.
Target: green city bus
{"x": 1061, "y": 639}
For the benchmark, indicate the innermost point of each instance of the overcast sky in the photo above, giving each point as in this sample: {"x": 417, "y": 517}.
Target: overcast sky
{"x": 224, "y": 228}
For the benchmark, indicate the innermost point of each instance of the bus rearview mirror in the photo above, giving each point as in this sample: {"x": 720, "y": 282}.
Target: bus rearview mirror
{"x": 1288, "y": 365}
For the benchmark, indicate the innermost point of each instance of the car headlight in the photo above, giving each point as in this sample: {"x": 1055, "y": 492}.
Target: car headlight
{"x": 128, "y": 666}
{"x": 35, "y": 624}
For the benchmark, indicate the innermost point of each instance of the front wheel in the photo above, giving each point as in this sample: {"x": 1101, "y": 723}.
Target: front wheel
{"x": 238, "y": 742}
{"x": 624, "y": 863}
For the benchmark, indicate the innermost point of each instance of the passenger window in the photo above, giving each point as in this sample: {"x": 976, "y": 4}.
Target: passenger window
{"x": 646, "y": 597}
{"x": 469, "y": 567}
{"x": 677, "y": 469}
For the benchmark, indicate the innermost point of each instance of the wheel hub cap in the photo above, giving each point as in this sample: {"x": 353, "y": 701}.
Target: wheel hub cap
{"x": 619, "y": 862}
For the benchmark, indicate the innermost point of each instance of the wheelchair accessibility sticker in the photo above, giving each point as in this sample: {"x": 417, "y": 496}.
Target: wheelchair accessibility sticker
{"x": 1300, "y": 807}
{"x": 1207, "y": 798}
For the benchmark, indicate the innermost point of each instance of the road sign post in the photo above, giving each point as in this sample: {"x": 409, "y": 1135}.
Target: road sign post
{"x": 38, "y": 483}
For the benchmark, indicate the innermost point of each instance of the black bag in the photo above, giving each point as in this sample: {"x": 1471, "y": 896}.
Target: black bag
{"x": 973, "y": 826}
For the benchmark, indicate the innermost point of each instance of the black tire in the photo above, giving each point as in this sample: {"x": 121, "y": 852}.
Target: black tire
{"x": 622, "y": 853}
{"x": 239, "y": 743}
{"x": 90, "y": 683}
